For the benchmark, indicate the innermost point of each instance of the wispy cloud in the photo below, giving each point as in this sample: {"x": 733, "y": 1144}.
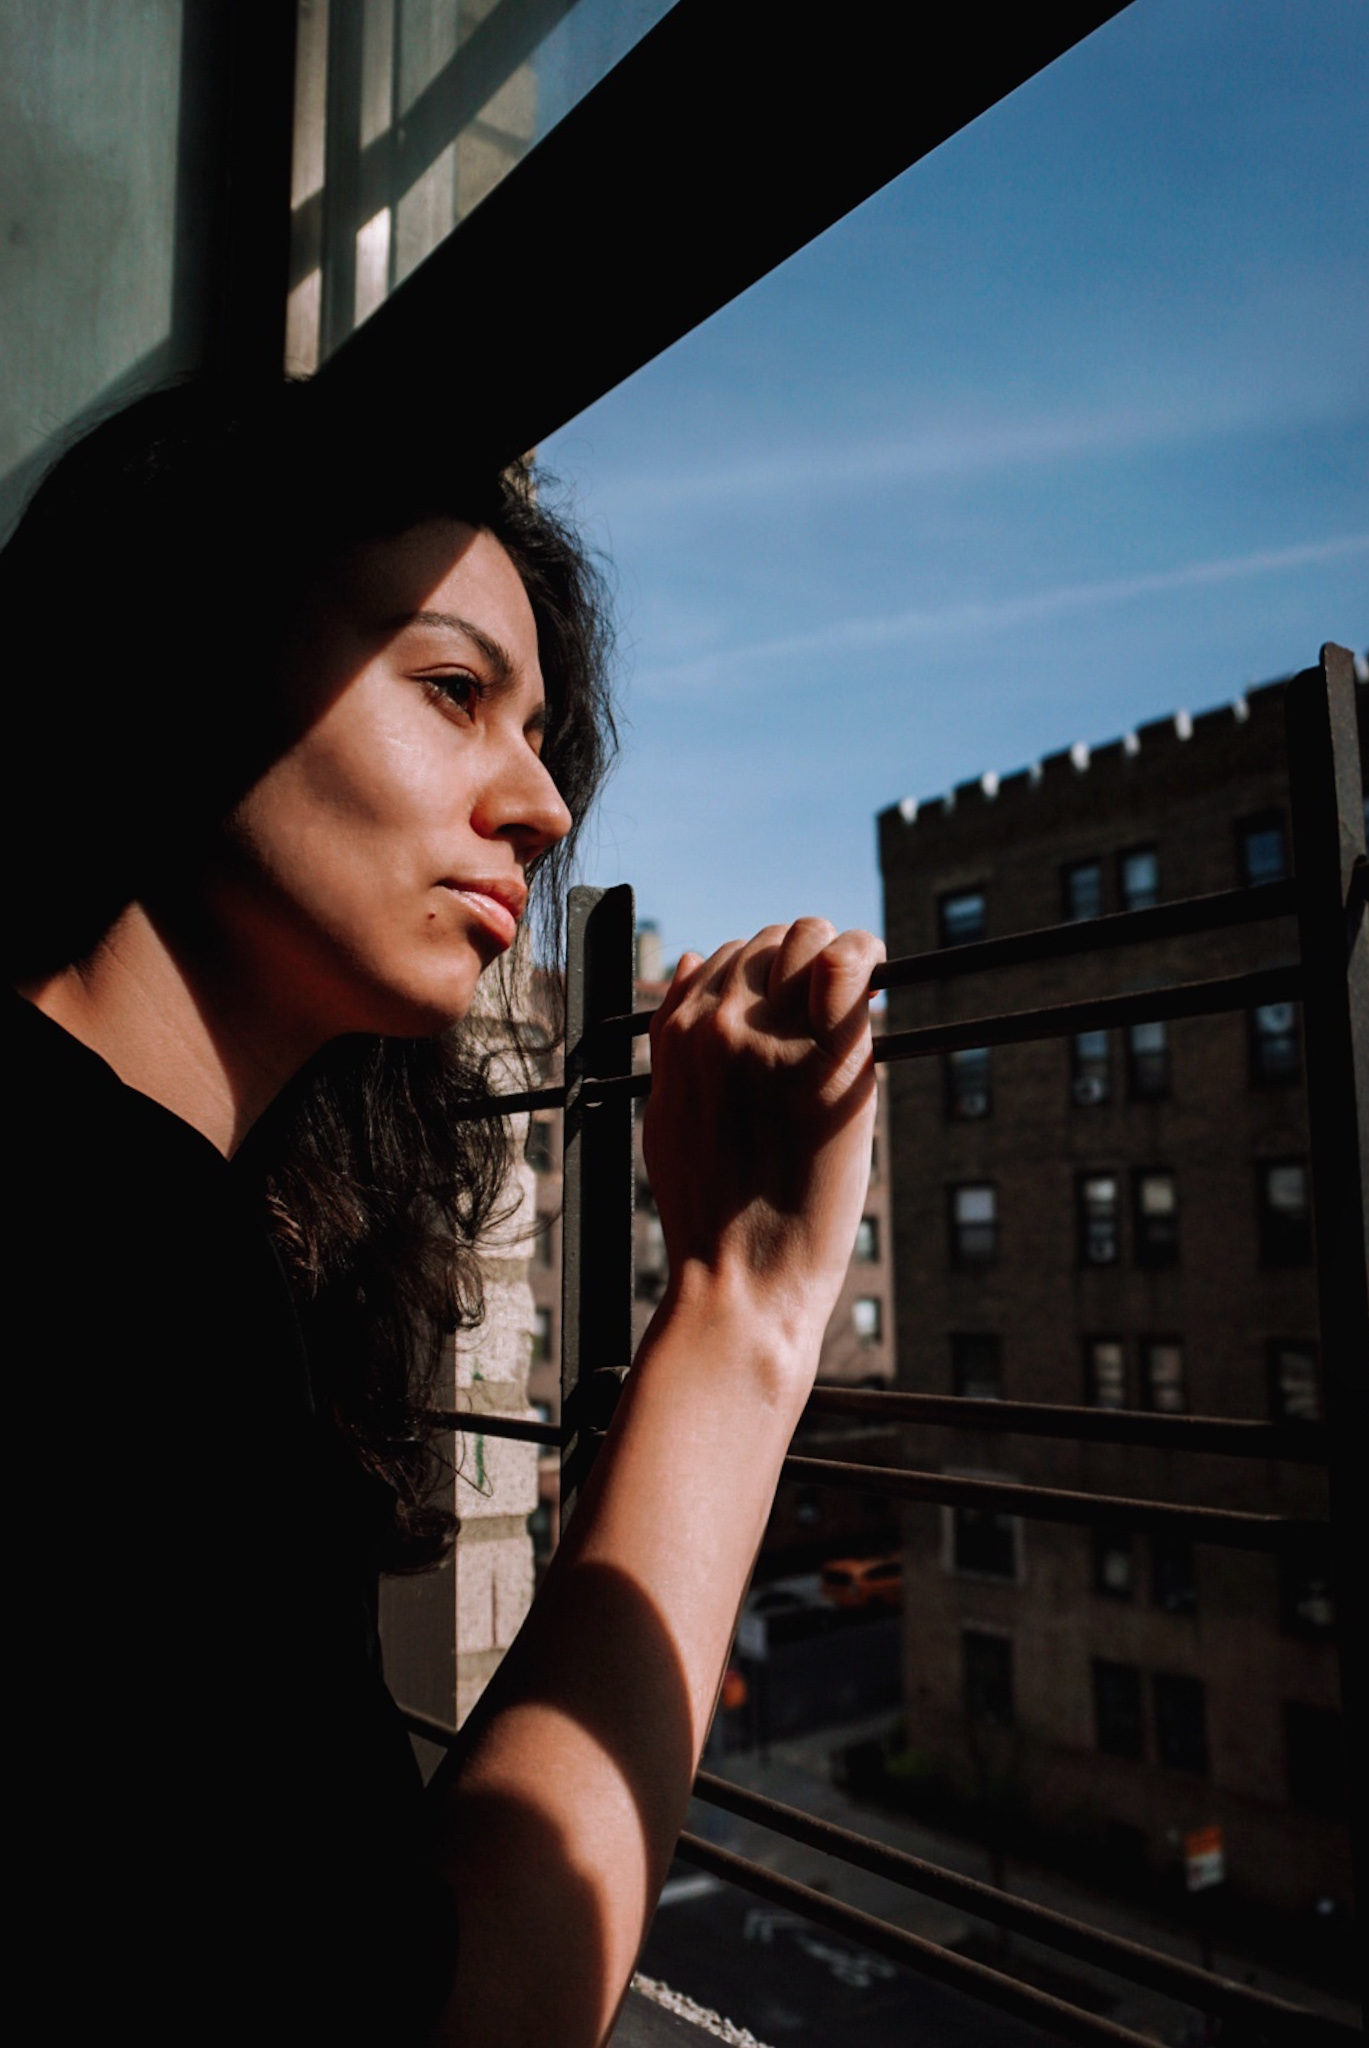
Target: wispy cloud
{"x": 960, "y": 621}
{"x": 947, "y": 448}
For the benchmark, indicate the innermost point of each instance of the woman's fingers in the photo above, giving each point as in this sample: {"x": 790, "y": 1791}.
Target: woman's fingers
{"x": 791, "y": 965}
{"x": 839, "y": 991}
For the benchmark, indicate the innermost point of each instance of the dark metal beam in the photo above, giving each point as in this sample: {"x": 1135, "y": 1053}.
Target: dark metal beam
{"x": 1233, "y": 1527}
{"x": 597, "y": 1177}
{"x": 729, "y": 137}
{"x": 1293, "y": 1443}
{"x": 1185, "y": 1982}
{"x": 1326, "y": 791}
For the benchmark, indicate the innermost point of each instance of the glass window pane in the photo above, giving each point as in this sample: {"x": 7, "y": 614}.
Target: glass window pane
{"x": 961, "y": 917}
{"x": 1264, "y": 855}
{"x": 1089, "y": 1081}
{"x": 967, "y": 1083}
{"x": 407, "y": 114}
{"x": 977, "y": 1366}
{"x": 1294, "y": 1382}
{"x": 867, "y": 1319}
{"x": 1165, "y": 1389}
{"x": 1274, "y": 1041}
{"x": 1083, "y": 889}
{"x": 1139, "y": 875}
{"x": 1106, "y": 1373}
{"x": 90, "y": 113}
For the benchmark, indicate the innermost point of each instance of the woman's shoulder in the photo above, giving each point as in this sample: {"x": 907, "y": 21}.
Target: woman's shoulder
{"x": 65, "y": 1108}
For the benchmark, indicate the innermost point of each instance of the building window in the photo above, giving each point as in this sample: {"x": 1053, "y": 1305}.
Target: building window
{"x": 1099, "y": 1239}
{"x": 1155, "y": 1217}
{"x": 1306, "y": 1602}
{"x": 874, "y": 1157}
{"x": 1314, "y": 1743}
{"x": 1147, "y": 1062}
{"x": 867, "y": 1241}
{"x": 537, "y": 1150}
{"x": 1114, "y": 1566}
{"x": 967, "y": 1083}
{"x": 1082, "y": 889}
{"x": 1263, "y": 850}
{"x": 1284, "y": 1214}
{"x": 541, "y": 1335}
{"x": 1274, "y": 1042}
{"x": 1294, "y": 1381}
{"x": 1180, "y": 1722}
{"x": 977, "y": 1366}
{"x": 1117, "y": 1708}
{"x": 983, "y": 1543}
{"x": 974, "y": 1224}
{"x": 988, "y": 1677}
{"x": 1089, "y": 1075}
{"x": 1138, "y": 878}
{"x": 961, "y": 917}
{"x": 543, "y": 1248}
{"x": 867, "y": 1318}
{"x": 1173, "y": 1575}
{"x": 1105, "y": 1372}
{"x": 1166, "y": 1388}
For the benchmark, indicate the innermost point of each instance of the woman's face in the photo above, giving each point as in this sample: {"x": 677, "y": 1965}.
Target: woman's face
{"x": 380, "y": 862}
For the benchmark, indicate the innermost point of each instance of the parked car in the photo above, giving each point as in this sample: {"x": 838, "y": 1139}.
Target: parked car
{"x": 856, "y": 1582}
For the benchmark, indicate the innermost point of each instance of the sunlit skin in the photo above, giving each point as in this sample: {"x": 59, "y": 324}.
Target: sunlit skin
{"x": 363, "y": 884}
{"x": 375, "y": 869}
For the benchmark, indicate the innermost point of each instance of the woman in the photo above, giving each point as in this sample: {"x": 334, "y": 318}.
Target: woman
{"x": 296, "y": 733}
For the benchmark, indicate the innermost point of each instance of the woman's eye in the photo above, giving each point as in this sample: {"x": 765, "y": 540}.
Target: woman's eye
{"x": 454, "y": 690}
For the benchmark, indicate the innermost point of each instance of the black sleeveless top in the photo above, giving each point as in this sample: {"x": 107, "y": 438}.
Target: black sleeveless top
{"x": 221, "y": 1829}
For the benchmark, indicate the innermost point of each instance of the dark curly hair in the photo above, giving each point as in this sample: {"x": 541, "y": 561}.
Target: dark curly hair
{"x": 146, "y": 596}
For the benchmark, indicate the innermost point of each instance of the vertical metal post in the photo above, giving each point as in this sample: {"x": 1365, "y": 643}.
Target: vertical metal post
{"x": 1327, "y": 803}
{"x": 236, "y": 124}
{"x": 596, "y": 1225}
{"x": 342, "y": 173}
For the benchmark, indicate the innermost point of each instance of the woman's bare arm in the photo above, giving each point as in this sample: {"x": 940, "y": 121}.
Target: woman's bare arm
{"x": 560, "y": 1809}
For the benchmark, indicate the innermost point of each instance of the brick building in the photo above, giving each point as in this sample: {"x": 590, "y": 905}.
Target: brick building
{"x": 1118, "y": 1219}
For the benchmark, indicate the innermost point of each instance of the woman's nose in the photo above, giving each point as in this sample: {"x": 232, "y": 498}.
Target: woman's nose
{"x": 522, "y": 803}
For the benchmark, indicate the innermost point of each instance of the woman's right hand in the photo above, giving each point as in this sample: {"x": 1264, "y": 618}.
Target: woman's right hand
{"x": 759, "y": 1124}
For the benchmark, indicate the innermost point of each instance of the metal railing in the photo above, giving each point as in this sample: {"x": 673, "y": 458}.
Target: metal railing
{"x": 1330, "y": 978}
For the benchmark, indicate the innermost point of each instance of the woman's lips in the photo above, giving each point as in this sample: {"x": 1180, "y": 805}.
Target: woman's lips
{"x": 496, "y": 906}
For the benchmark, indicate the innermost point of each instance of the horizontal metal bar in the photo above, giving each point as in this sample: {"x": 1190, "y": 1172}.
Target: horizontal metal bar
{"x": 898, "y": 1943}
{"x": 1130, "y": 1959}
{"x": 1226, "y": 909}
{"x": 493, "y": 1106}
{"x": 514, "y": 1426}
{"x": 1302, "y": 1443}
{"x": 1232, "y": 1527}
{"x": 1063, "y": 2022}
{"x": 1219, "y": 912}
{"x": 1143, "y": 1006}
{"x": 1101, "y": 1013}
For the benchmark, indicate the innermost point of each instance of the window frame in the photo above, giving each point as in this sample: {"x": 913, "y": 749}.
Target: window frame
{"x": 1283, "y": 1243}
{"x": 961, "y": 1259}
{"x": 1086, "y": 1217}
{"x": 971, "y": 892}
{"x": 1128, "y": 897}
{"x": 1154, "y": 1245}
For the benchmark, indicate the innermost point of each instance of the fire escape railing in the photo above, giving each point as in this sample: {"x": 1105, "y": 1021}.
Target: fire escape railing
{"x": 1330, "y": 978}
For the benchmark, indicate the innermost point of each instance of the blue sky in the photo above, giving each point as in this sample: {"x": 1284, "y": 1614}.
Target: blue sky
{"x": 1065, "y": 429}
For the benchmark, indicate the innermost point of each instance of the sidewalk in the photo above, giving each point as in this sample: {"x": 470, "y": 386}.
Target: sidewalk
{"x": 797, "y": 1771}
